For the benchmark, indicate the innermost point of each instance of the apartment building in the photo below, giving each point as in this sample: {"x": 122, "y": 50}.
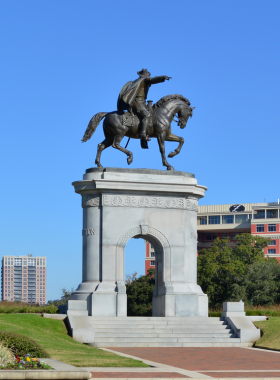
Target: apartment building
{"x": 24, "y": 278}
{"x": 149, "y": 257}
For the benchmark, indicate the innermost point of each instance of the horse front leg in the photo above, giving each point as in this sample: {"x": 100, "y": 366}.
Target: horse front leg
{"x": 161, "y": 140}
{"x": 178, "y": 139}
{"x": 116, "y": 145}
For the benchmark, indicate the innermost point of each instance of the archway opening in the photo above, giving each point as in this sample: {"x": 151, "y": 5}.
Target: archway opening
{"x": 139, "y": 269}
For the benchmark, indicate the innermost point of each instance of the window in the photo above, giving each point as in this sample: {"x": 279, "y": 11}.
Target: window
{"x": 242, "y": 218}
{"x": 233, "y": 236}
{"x": 152, "y": 263}
{"x": 271, "y": 251}
{"x": 271, "y": 227}
{"x": 203, "y": 220}
{"x": 208, "y": 237}
{"x": 260, "y": 214}
{"x": 152, "y": 254}
{"x": 214, "y": 236}
{"x": 228, "y": 219}
{"x": 214, "y": 219}
{"x": 260, "y": 227}
{"x": 272, "y": 242}
{"x": 224, "y": 236}
{"x": 271, "y": 213}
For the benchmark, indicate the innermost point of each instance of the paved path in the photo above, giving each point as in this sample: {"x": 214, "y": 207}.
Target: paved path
{"x": 195, "y": 363}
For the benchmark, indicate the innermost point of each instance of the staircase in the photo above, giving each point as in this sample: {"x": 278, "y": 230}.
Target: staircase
{"x": 162, "y": 332}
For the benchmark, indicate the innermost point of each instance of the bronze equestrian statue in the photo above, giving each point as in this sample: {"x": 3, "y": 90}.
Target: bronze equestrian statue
{"x": 141, "y": 121}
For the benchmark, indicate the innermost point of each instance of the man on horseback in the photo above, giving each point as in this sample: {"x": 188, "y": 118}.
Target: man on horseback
{"x": 133, "y": 97}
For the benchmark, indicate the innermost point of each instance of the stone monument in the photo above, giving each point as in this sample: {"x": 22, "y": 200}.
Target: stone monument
{"x": 158, "y": 206}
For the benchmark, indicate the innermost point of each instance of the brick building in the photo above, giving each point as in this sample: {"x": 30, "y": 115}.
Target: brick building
{"x": 229, "y": 220}
{"x": 24, "y": 278}
{"x": 222, "y": 221}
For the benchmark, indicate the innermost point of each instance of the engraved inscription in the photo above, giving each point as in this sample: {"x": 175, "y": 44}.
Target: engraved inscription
{"x": 193, "y": 235}
{"x": 88, "y": 231}
{"x": 149, "y": 201}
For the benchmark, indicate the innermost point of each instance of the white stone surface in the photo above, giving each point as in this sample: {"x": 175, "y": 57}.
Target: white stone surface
{"x": 158, "y": 206}
{"x": 233, "y": 309}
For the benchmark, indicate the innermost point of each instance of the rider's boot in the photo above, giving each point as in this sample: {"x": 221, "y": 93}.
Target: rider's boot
{"x": 143, "y": 133}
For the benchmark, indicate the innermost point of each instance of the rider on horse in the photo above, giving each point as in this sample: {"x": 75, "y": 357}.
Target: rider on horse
{"x": 133, "y": 97}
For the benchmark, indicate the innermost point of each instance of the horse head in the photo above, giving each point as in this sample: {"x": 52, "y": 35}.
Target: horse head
{"x": 183, "y": 114}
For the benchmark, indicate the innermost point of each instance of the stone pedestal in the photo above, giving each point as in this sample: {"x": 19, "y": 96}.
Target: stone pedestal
{"x": 158, "y": 206}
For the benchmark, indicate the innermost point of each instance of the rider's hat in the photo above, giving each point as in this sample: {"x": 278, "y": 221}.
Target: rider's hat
{"x": 143, "y": 73}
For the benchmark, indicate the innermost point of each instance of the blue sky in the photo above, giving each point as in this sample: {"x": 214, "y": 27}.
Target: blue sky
{"x": 64, "y": 61}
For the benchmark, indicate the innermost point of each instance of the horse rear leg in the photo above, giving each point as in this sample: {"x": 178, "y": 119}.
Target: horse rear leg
{"x": 161, "y": 141}
{"x": 175, "y": 138}
{"x": 105, "y": 144}
{"x": 116, "y": 145}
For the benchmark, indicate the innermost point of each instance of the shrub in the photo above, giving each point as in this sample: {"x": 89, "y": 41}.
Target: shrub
{"x": 21, "y": 345}
{"x": 18, "y": 307}
{"x": 6, "y": 355}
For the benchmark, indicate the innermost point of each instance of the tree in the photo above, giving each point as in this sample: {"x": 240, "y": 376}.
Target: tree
{"x": 230, "y": 274}
{"x": 140, "y": 293}
{"x": 66, "y": 294}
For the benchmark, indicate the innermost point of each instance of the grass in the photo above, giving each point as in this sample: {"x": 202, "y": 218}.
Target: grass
{"x": 271, "y": 334}
{"x": 21, "y": 307}
{"x": 52, "y": 336}
{"x": 270, "y": 311}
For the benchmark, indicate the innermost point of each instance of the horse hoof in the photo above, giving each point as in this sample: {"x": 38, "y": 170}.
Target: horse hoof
{"x": 171, "y": 154}
{"x": 129, "y": 160}
{"x": 170, "y": 168}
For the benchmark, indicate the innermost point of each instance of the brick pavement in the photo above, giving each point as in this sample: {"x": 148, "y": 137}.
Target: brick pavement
{"x": 208, "y": 358}
{"x": 138, "y": 375}
{"x": 242, "y": 374}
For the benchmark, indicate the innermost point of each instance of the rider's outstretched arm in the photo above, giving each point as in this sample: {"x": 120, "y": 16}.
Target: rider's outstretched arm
{"x": 156, "y": 80}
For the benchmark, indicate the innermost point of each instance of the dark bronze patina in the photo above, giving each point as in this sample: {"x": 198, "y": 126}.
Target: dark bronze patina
{"x": 142, "y": 121}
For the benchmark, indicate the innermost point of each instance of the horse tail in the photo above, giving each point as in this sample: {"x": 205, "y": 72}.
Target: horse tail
{"x": 92, "y": 125}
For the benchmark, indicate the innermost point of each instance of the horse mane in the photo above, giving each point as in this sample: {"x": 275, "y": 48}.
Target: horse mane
{"x": 171, "y": 97}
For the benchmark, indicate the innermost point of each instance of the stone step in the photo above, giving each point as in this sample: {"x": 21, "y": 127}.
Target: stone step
{"x": 162, "y": 331}
{"x": 214, "y": 319}
{"x": 173, "y": 327}
{"x": 155, "y": 322}
{"x": 152, "y": 335}
{"x": 197, "y": 344}
{"x": 166, "y": 340}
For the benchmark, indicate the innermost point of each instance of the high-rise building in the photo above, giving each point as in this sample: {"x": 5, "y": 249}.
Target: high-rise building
{"x": 24, "y": 278}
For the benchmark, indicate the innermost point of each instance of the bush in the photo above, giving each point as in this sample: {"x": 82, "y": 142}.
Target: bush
{"x": 21, "y": 345}
{"x": 6, "y": 355}
{"x": 17, "y": 307}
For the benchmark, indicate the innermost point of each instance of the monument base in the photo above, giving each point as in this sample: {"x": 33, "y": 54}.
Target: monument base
{"x": 157, "y": 206}
{"x": 180, "y": 305}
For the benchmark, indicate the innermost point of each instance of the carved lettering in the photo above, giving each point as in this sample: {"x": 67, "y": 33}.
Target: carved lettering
{"x": 88, "y": 231}
{"x": 193, "y": 235}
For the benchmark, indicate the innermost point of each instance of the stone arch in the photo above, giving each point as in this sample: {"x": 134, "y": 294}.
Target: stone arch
{"x": 160, "y": 243}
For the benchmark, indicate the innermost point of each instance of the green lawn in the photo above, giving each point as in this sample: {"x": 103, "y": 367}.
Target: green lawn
{"x": 52, "y": 336}
{"x": 271, "y": 334}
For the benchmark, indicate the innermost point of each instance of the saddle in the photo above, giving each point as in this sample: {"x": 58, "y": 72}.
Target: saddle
{"x": 129, "y": 119}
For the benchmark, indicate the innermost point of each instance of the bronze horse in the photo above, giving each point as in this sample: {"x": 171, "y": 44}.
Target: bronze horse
{"x": 119, "y": 124}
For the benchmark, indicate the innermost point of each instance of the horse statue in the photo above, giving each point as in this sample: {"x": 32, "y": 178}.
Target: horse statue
{"x": 116, "y": 125}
